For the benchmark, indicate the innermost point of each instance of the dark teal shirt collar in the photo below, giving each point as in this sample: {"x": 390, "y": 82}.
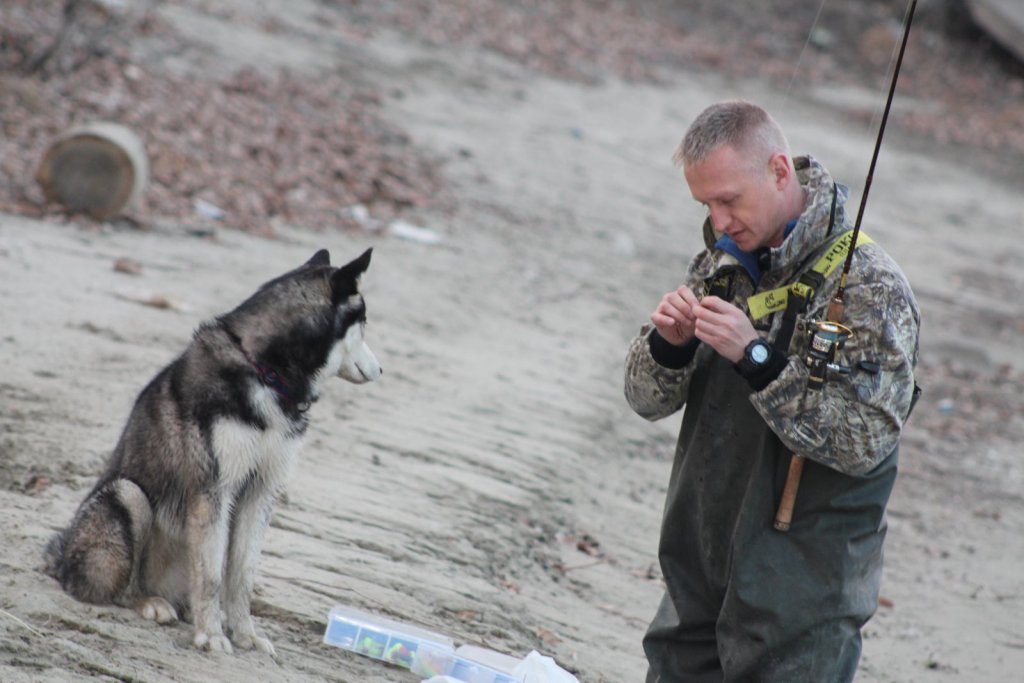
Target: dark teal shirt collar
{"x": 750, "y": 260}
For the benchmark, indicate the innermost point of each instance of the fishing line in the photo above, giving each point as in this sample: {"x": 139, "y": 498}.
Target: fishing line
{"x": 807, "y": 41}
{"x": 831, "y": 333}
{"x": 889, "y": 68}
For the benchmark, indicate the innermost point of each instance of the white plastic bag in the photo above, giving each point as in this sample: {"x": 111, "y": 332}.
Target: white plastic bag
{"x": 536, "y": 668}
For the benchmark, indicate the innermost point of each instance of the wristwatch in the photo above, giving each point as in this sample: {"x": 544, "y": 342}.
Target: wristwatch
{"x": 757, "y": 352}
{"x": 755, "y": 356}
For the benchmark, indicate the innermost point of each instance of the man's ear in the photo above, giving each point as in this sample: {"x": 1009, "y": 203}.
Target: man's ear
{"x": 781, "y": 169}
{"x": 345, "y": 281}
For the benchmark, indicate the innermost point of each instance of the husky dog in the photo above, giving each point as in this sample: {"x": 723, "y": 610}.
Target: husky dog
{"x": 175, "y": 523}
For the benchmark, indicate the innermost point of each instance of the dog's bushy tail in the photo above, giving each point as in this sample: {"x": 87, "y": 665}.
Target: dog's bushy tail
{"x": 53, "y": 555}
{"x": 94, "y": 557}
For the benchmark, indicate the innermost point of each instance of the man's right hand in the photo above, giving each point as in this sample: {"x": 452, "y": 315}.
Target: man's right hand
{"x": 674, "y": 318}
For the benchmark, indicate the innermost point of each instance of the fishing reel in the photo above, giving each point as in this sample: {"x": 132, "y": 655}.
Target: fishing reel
{"x": 827, "y": 339}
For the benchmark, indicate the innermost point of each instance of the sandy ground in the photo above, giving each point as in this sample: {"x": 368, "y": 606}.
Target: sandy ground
{"x": 494, "y": 486}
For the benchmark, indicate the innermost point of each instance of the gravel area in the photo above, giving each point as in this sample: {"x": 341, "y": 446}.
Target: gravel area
{"x": 303, "y": 149}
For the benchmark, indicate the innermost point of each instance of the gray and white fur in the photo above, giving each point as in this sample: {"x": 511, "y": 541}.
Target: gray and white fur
{"x": 175, "y": 524}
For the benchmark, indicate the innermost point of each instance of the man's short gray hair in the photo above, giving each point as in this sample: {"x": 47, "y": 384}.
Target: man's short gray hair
{"x": 745, "y": 127}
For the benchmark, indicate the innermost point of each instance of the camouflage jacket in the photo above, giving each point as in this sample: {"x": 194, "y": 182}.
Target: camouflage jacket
{"x": 855, "y": 421}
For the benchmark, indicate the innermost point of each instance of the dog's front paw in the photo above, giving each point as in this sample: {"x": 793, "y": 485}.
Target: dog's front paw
{"x": 212, "y": 642}
{"x": 254, "y": 642}
{"x": 156, "y": 609}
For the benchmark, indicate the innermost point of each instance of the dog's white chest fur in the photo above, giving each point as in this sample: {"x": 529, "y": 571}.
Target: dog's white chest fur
{"x": 244, "y": 451}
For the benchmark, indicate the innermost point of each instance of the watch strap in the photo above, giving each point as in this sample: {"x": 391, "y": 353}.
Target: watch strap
{"x": 761, "y": 375}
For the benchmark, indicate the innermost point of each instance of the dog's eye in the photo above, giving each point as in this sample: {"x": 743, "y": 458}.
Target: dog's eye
{"x": 348, "y": 316}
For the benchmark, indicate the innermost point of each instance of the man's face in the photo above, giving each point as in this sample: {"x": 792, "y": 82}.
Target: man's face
{"x": 744, "y": 203}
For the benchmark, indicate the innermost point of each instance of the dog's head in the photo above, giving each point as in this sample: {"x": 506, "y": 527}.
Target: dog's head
{"x": 354, "y": 359}
{"x": 308, "y": 325}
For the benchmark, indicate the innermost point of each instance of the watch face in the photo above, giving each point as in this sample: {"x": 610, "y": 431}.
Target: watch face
{"x": 759, "y": 353}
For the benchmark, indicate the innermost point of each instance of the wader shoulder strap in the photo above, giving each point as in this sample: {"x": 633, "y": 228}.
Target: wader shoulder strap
{"x": 764, "y": 304}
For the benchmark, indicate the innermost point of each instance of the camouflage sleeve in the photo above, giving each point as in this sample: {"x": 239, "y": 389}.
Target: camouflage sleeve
{"x": 652, "y": 390}
{"x": 855, "y": 420}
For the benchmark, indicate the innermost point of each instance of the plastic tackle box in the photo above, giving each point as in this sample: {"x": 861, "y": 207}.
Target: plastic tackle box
{"x": 387, "y": 640}
{"x": 470, "y": 664}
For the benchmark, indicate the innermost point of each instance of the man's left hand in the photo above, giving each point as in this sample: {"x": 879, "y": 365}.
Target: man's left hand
{"x": 723, "y": 327}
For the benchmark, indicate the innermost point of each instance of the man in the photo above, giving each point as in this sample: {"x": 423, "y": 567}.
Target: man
{"x": 743, "y": 601}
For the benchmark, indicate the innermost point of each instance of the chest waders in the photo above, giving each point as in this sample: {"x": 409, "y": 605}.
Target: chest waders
{"x": 744, "y": 602}
{"x": 740, "y": 602}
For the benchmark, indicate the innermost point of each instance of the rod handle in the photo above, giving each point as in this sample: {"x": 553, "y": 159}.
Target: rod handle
{"x": 784, "y": 515}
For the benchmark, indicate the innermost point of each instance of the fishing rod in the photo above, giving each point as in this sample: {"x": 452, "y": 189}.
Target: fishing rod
{"x": 830, "y": 334}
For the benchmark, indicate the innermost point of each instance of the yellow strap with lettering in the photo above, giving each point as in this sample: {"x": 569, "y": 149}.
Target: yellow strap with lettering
{"x": 766, "y": 303}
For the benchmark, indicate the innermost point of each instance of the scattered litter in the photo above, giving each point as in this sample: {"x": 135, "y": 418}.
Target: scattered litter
{"x": 208, "y": 210}
{"x": 649, "y": 574}
{"x": 35, "y": 484}
{"x": 203, "y": 233}
{"x": 413, "y": 233}
{"x": 821, "y": 37}
{"x": 154, "y": 301}
{"x": 157, "y": 301}
{"x": 589, "y": 545}
{"x": 536, "y": 668}
{"x": 128, "y": 266}
{"x": 547, "y": 636}
{"x": 359, "y": 213}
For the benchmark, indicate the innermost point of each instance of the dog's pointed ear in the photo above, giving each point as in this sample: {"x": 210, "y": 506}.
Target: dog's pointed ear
{"x": 320, "y": 258}
{"x": 345, "y": 281}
